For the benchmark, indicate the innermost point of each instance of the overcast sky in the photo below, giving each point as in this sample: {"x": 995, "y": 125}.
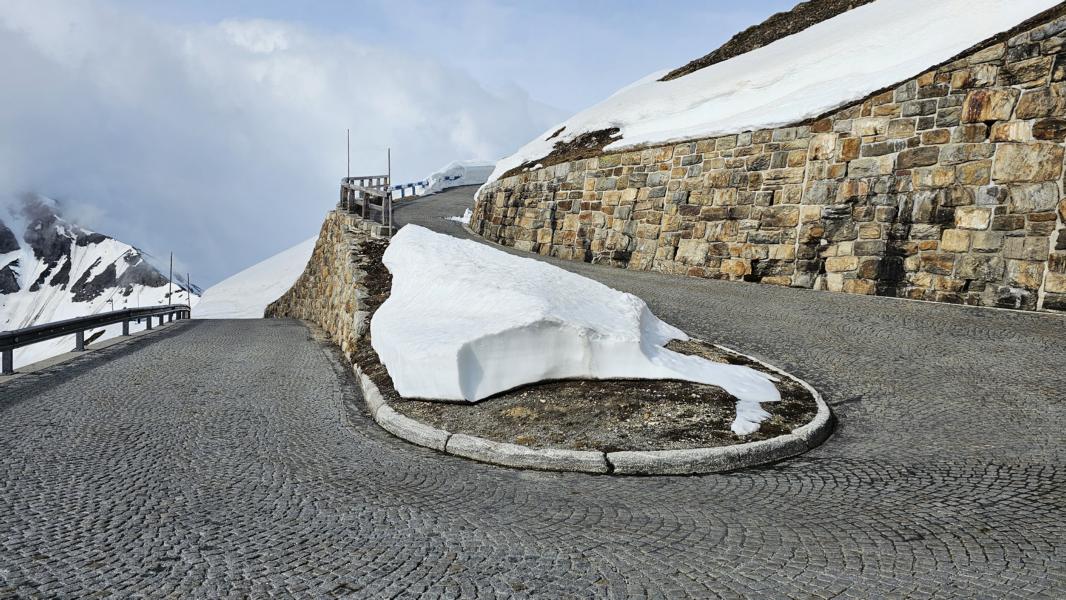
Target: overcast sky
{"x": 216, "y": 129}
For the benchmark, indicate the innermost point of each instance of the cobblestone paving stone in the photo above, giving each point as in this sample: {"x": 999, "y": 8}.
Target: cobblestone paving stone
{"x": 233, "y": 459}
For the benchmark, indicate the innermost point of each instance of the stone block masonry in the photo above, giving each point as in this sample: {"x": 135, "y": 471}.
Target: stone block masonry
{"x": 947, "y": 187}
{"x": 332, "y": 290}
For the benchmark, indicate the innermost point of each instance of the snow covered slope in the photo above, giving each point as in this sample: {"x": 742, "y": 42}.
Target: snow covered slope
{"x": 52, "y": 269}
{"x": 465, "y": 321}
{"x": 828, "y": 65}
{"x": 247, "y": 294}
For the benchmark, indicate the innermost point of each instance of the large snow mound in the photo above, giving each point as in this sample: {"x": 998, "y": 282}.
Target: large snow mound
{"x": 465, "y": 321}
{"x": 247, "y": 294}
{"x": 800, "y": 76}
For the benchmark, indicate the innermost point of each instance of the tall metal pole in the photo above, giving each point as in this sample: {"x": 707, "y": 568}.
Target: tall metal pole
{"x": 348, "y": 138}
{"x": 170, "y": 281}
{"x": 388, "y": 184}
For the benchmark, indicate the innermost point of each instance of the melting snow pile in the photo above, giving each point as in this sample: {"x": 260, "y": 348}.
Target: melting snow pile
{"x": 465, "y": 219}
{"x": 247, "y": 294}
{"x": 797, "y": 77}
{"x": 465, "y": 321}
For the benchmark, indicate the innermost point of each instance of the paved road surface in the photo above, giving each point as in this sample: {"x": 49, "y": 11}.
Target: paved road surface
{"x": 233, "y": 458}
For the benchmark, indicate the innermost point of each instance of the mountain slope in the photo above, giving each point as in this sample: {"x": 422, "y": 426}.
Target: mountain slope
{"x": 52, "y": 269}
{"x": 247, "y": 294}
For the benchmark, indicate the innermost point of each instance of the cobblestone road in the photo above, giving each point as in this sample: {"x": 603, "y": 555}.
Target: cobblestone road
{"x": 233, "y": 458}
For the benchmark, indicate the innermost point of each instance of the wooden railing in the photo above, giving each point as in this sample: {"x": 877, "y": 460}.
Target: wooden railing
{"x": 370, "y": 196}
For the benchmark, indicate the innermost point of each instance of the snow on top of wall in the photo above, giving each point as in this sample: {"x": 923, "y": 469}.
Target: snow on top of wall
{"x": 801, "y": 76}
{"x": 247, "y": 294}
{"x": 465, "y": 321}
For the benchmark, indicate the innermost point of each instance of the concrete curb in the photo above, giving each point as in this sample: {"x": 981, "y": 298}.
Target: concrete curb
{"x": 524, "y": 457}
{"x": 689, "y": 461}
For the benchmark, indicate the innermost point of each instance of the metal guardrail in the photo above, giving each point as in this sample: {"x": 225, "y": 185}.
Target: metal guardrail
{"x": 10, "y": 340}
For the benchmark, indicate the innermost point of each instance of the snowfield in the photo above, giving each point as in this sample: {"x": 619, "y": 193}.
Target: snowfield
{"x": 826, "y": 66}
{"x": 465, "y": 321}
{"x": 247, "y": 294}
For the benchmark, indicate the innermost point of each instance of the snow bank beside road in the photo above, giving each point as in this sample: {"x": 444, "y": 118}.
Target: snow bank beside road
{"x": 465, "y": 321}
{"x": 457, "y": 173}
{"x": 247, "y": 294}
{"x": 806, "y": 74}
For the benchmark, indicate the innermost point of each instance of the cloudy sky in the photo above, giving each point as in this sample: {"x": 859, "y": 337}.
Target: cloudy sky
{"x": 216, "y": 128}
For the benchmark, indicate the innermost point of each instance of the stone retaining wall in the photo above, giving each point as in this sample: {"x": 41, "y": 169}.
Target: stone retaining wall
{"x": 947, "y": 187}
{"x": 329, "y": 293}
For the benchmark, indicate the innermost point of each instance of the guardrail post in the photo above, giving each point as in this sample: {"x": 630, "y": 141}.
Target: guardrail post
{"x": 126, "y": 328}
{"x": 79, "y": 341}
{"x": 149, "y": 321}
{"x": 8, "y": 367}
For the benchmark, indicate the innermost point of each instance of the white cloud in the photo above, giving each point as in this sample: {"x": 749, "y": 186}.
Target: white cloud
{"x": 224, "y": 143}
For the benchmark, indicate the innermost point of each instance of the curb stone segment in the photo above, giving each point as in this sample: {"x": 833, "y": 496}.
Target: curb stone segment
{"x": 411, "y": 430}
{"x": 688, "y": 461}
{"x": 693, "y": 461}
{"x": 524, "y": 457}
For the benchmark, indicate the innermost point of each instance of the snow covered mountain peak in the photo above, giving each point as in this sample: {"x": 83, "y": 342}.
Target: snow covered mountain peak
{"x": 52, "y": 269}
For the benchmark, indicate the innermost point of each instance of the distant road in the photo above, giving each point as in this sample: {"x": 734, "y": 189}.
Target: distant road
{"x": 234, "y": 458}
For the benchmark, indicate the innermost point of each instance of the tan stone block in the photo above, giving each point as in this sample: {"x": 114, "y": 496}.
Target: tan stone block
{"x": 782, "y": 252}
{"x": 784, "y": 280}
{"x": 1024, "y": 273}
{"x": 823, "y": 146}
{"x": 932, "y": 177}
{"x": 936, "y": 136}
{"x": 870, "y": 231}
{"x": 974, "y": 173}
{"x": 988, "y": 105}
{"x": 834, "y": 282}
{"x": 840, "y": 264}
{"x": 736, "y": 267}
{"x": 1037, "y": 161}
{"x": 986, "y": 240}
{"x": 940, "y": 263}
{"x": 1055, "y": 282}
{"x": 859, "y": 286}
{"x": 850, "y": 148}
{"x": 1044, "y": 102}
{"x": 955, "y": 240}
{"x": 973, "y": 217}
{"x": 867, "y": 126}
{"x": 1027, "y": 248}
{"x": 810, "y": 213}
{"x": 1011, "y": 131}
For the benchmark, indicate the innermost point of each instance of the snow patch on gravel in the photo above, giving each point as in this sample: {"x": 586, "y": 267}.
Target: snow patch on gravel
{"x": 465, "y": 321}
